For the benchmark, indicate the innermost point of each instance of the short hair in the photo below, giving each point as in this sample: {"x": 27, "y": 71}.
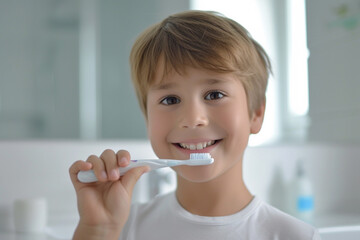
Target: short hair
{"x": 200, "y": 39}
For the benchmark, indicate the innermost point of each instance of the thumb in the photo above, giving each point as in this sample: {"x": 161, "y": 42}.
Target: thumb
{"x": 132, "y": 176}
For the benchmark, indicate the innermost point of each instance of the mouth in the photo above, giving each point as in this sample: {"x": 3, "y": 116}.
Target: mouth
{"x": 197, "y": 146}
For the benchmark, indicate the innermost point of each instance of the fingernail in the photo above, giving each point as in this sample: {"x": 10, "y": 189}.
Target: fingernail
{"x": 103, "y": 175}
{"x": 114, "y": 174}
{"x": 123, "y": 160}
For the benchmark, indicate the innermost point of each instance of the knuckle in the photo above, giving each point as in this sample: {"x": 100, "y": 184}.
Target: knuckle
{"x": 92, "y": 158}
{"x": 75, "y": 165}
{"x": 132, "y": 175}
{"x": 108, "y": 152}
{"x": 123, "y": 153}
{"x": 72, "y": 168}
{"x": 96, "y": 162}
{"x": 135, "y": 173}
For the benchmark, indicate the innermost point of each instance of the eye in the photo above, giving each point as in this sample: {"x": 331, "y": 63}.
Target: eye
{"x": 214, "y": 95}
{"x": 170, "y": 100}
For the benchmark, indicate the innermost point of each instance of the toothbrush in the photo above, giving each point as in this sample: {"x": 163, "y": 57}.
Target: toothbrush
{"x": 196, "y": 159}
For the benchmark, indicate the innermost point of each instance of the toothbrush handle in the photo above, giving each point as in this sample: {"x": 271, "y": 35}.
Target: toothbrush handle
{"x": 89, "y": 176}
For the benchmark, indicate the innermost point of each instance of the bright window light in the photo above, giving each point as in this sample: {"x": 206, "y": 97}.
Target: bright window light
{"x": 259, "y": 17}
{"x": 256, "y": 17}
{"x": 298, "y": 94}
{"x": 243, "y": 11}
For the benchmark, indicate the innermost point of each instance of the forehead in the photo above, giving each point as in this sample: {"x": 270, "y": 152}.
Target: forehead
{"x": 192, "y": 76}
{"x": 166, "y": 68}
{"x": 164, "y": 72}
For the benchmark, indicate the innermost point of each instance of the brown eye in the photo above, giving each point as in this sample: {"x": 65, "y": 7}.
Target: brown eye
{"x": 170, "y": 100}
{"x": 214, "y": 95}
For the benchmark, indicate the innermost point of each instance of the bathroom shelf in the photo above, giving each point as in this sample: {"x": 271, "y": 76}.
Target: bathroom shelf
{"x": 337, "y": 220}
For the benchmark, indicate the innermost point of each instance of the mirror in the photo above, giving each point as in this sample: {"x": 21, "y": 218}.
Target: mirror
{"x": 333, "y": 39}
{"x": 64, "y": 67}
{"x": 65, "y": 72}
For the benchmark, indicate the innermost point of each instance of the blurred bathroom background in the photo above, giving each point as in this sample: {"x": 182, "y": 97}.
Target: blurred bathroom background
{"x": 65, "y": 72}
{"x": 66, "y": 93}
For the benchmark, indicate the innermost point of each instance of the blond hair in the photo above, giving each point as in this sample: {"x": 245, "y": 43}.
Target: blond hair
{"x": 200, "y": 39}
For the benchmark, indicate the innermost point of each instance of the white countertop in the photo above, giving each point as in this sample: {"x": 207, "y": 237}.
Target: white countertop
{"x": 22, "y": 236}
{"x": 336, "y": 220}
{"x": 63, "y": 228}
{"x": 63, "y": 232}
{"x": 60, "y": 227}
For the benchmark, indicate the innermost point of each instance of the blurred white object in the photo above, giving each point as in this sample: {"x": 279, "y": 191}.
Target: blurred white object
{"x": 30, "y": 215}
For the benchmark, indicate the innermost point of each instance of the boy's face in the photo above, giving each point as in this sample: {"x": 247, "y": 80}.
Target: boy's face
{"x": 200, "y": 112}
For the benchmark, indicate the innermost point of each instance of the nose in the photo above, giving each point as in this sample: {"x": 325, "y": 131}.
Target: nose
{"x": 193, "y": 115}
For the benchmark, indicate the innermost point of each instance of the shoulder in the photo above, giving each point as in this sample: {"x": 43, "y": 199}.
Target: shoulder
{"x": 274, "y": 222}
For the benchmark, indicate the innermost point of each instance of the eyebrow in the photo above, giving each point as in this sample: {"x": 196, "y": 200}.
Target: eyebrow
{"x": 169, "y": 85}
{"x": 164, "y": 86}
{"x": 213, "y": 81}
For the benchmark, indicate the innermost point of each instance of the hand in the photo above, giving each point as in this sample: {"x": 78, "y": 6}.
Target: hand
{"x": 104, "y": 206}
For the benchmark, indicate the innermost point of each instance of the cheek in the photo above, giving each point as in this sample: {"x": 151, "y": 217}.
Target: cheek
{"x": 154, "y": 124}
{"x": 236, "y": 124}
{"x": 234, "y": 118}
{"x": 158, "y": 128}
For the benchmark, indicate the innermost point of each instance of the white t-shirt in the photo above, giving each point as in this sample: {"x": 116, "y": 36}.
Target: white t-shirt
{"x": 164, "y": 219}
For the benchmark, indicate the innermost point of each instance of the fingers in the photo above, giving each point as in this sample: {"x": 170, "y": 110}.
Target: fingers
{"x": 108, "y": 157}
{"x": 123, "y": 158}
{"x": 106, "y": 167}
{"x": 76, "y": 168}
{"x": 132, "y": 176}
{"x": 98, "y": 168}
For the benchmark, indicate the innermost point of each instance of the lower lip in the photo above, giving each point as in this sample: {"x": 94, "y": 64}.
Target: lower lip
{"x": 204, "y": 150}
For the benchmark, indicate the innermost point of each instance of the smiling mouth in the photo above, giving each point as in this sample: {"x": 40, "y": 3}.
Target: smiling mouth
{"x": 197, "y": 146}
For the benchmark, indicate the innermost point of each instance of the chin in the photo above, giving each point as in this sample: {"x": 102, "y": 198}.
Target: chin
{"x": 195, "y": 174}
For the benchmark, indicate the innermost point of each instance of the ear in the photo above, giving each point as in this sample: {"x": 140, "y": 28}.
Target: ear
{"x": 257, "y": 118}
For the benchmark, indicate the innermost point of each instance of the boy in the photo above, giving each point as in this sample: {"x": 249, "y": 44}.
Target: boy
{"x": 201, "y": 80}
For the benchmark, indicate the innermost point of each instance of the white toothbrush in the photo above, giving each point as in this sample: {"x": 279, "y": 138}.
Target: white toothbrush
{"x": 196, "y": 159}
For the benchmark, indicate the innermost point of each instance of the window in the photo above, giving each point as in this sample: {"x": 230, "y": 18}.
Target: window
{"x": 281, "y": 31}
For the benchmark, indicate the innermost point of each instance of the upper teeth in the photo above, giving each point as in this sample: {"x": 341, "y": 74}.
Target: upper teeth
{"x": 197, "y": 146}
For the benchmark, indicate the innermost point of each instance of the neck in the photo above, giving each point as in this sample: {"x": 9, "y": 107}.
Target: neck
{"x": 222, "y": 196}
